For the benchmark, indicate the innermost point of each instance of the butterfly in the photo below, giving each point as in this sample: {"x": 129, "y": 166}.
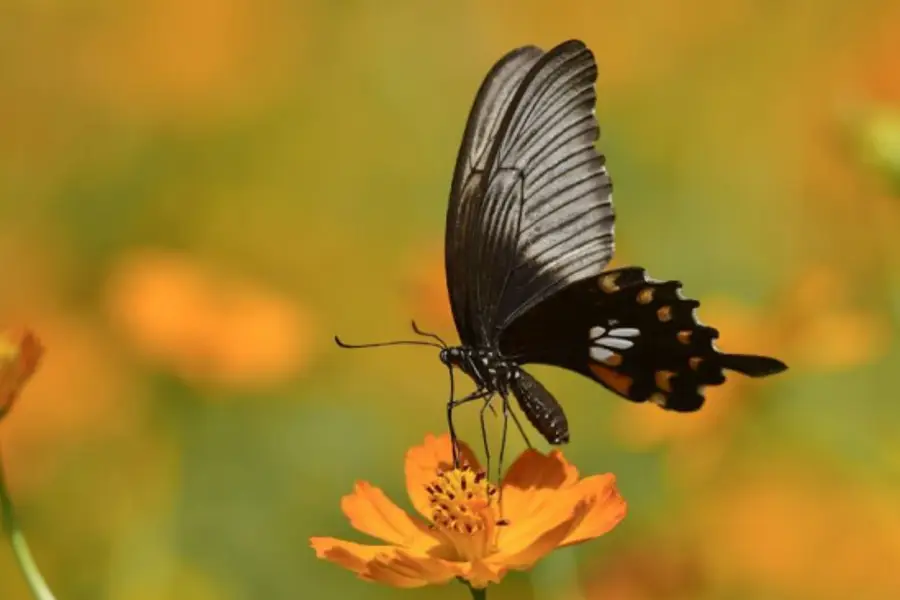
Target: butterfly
{"x": 529, "y": 233}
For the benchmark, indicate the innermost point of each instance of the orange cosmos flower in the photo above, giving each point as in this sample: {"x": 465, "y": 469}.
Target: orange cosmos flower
{"x": 473, "y": 530}
{"x": 20, "y": 352}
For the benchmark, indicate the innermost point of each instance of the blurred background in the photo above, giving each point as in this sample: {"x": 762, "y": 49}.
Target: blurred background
{"x": 195, "y": 195}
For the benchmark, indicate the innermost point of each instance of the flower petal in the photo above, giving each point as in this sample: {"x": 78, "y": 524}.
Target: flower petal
{"x": 383, "y": 573}
{"x": 403, "y": 569}
{"x": 20, "y": 353}
{"x": 371, "y": 512}
{"x": 532, "y": 480}
{"x": 480, "y": 573}
{"x": 607, "y": 508}
{"x": 521, "y": 549}
{"x": 385, "y": 564}
{"x": 349, "y": 555}
{"x": 423, "y": 462}
{"x": 431, "y": 569}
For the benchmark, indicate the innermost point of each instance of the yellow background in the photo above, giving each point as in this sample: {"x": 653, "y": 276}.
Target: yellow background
{"x": 195, "y": 195}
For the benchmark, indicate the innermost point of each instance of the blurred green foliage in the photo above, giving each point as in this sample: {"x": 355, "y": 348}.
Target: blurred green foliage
{"x": 194, "y": 196}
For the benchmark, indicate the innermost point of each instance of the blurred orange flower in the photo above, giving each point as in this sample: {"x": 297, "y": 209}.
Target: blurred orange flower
{"x": 798, "y": 527}
{"x": 647, "y": 569}
{"x": 473, "y": 532}
{"x": 206, "y": 327}
{"x": 821, "y": 327}
{"x": 232, "y": 43}
{"x": 20, "y": 353}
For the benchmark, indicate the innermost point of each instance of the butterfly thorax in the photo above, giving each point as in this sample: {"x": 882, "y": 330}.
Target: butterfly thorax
{"x": 488, "y": 368}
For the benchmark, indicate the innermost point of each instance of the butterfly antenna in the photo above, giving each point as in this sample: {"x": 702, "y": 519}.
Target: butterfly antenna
{"x": 433, "y": 336}
{"x": 343, "y": 344}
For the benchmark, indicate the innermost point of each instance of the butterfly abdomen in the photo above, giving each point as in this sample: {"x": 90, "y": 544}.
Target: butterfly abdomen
{"x": 541, "y": 408}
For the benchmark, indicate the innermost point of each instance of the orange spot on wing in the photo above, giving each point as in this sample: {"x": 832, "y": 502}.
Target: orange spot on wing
{"x": 615, "y": 381}
{"x": 658, "y": 399}
{"x": 664, "y": 380}
{"x": 613, "y": 360}
{"x": 608, "y": 283}
{"x": 645, "y": 296}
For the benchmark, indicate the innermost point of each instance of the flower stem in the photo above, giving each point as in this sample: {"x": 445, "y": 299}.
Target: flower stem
{"x": 478, "y": 593}
{"x": 29, "y": 568}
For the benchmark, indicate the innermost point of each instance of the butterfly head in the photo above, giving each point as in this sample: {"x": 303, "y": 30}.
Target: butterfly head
{"x": 452, "y": 357}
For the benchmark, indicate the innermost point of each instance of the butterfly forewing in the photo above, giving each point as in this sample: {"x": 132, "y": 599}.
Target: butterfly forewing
{"x": 530, "y": 209}
{"x": 491, "y": 103}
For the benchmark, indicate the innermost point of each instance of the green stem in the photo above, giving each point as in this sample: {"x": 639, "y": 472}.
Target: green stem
{"x": 32, "y": 574}
{"x": 478, "y": 593}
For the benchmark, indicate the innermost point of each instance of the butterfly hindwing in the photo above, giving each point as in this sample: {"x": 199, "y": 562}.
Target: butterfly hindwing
{"x": 638, "y": 337}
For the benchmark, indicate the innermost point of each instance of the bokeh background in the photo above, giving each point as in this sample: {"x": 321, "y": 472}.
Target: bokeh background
{"x": 195, "y": 195}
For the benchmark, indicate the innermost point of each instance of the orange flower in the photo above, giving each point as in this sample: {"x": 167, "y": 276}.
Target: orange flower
{"x": 20, "y": 352}
{"x": 473, "y": 532}
{"x": 205, "y": 326}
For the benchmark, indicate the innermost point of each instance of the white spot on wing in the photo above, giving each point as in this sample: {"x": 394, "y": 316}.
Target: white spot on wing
{"x": 611, "y": 342}
{"x": 600, "y": 354}
{"x": 625, "y": 332}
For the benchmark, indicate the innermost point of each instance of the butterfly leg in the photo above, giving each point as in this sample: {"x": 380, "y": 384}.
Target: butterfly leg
{"x": 476, "y": 395}
{"x": 504, "y": 430}
{"x": 521, "y": 429}
{"x": 484, "y": 436}
{"x": 507, "y": 414}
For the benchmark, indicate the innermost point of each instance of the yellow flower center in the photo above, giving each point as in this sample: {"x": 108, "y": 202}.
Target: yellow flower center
{"x": 464, "y": 512}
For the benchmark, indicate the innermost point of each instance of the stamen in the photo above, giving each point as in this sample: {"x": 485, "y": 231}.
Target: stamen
{"x": 465, "y": 511}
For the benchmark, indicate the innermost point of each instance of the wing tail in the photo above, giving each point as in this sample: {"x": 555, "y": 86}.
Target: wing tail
{"x": 752, "y": 365}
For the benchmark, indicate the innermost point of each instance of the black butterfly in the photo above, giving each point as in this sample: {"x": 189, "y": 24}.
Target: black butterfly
{"x": 529, "y": 233}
